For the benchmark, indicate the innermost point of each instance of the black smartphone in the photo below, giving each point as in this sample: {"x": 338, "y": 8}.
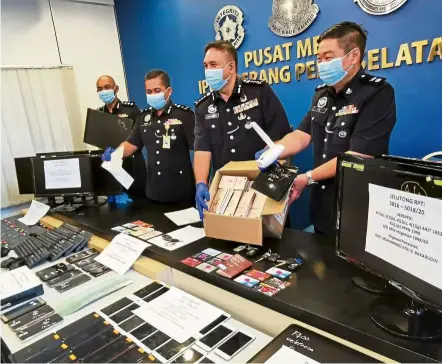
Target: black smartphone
{"x": 172, "y": 348}
{"x": 155, "y": 340}
{"x": 143, "y": 331}
{"x": 53, "y": 271}
{"x": 215, "y": 337}
{"x": 190, "y": 355}
{"x": 143, "y": 292}
{"x": 234, "y": 345}
{"x": 216, "y": 322}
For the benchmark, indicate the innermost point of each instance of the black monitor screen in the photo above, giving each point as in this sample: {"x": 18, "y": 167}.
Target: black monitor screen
{"x": 106, "y": 130}
{"x": 23, "y": 170}
{"x": 62, "y": 176}
{"x": 384, "y": 226}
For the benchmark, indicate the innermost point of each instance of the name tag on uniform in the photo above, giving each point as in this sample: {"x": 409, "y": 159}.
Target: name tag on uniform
{"x": 174, "y": 122}
{"x": 166, "y": 142}
{"x": 212, "y": 116}
{"x": 246, "y": 106}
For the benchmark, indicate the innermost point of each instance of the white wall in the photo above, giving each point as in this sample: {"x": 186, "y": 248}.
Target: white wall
{"x": 87, "y": 37}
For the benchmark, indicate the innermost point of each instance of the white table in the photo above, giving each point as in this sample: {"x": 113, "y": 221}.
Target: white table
{"x": 52, "y": 298}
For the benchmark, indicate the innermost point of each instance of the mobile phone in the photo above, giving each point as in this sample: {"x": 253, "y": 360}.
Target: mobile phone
{"x": 53, "y": 271}
{"x": 155, "y": 340}
{"x": 234, "y": 345}
{"x": 190, "y": 355}
{"x": 172, "y": 348}
{"x": 213, "y": 324}
{"x": 216, "y": 337}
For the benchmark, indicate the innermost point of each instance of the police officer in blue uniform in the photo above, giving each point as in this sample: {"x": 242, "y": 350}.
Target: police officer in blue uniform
{"x": 352, "y": 112}
{"x": 167, "y": 131}
{"x": 222, "y": 117}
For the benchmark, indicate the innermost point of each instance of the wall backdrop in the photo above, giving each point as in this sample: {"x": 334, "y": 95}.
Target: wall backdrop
{"x": 403, "y": 46}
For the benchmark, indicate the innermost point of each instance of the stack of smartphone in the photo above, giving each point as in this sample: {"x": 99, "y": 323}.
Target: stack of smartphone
{"x": 235, "y": 197}
{"x": 31, "y": 318}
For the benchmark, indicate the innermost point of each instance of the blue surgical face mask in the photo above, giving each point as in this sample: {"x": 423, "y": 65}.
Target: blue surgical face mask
{"x": 157, "y": 101}
{"x": 332, "y": 72}
{"x": 214, "y": 78}
{"x": 107, "y": 96}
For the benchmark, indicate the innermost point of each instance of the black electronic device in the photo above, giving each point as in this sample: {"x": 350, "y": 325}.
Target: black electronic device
{"x": 143, "y": 331}
{"x": 82, "y": 255}
{"x": 213, "y": 324}
{"x": 150, "y": 288}
{"x": 72, "y": 283}
{"x": 417, "y": 312}
{"x": 62, "y": 175}
{"x": 216, "y": 337}
{"x": 155, "y": 340}
{"x": 4, "y": 250}
{"x": 234, "y": 345}
{"x": 53, "y": 271}
{"x": 110, "y": 351}
{"x": 124, "y": 314}
{"x": 191, "y": 355}
{"x": 27, "y": 320}
{"x": 133, "y": 355}
{"x": 116, "y": 306}
{"x": 41, "y": 351}
{"x": 156, "y": 294}
{"x": 64, "y": 277}
{"x": 22, "y": 310}
{"x": 96, "y": 342}
{"x": 39, "y": 326}
{"x": 275, "y": 181}
{"x": 172, "y": 348}
{"x": 131, "y": 323}
{"x": 117, "y": 129}
{"x": 25, "y": 177}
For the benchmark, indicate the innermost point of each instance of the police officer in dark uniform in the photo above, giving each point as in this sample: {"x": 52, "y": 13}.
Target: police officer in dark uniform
{"x": 167, "y": 131}
{"x": 107, "y": 91}
{"x": 351, "y": 112}
{"x": 223, "y": 119}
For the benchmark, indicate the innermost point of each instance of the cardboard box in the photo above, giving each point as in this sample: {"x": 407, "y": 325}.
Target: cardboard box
{"x": 250, "y": 230}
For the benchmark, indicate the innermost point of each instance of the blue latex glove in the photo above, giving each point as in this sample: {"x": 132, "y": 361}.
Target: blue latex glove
{"x": 260, "y": 152}
{"x": 106, "y": 156}
{"x": 123, "y": 199}
{"x": 201, "y": 194}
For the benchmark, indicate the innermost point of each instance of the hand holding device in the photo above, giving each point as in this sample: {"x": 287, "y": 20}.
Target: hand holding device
{"x": 202, "y": 195}
{"x": 106, "y": 156}
{"x": 271, "y": 155}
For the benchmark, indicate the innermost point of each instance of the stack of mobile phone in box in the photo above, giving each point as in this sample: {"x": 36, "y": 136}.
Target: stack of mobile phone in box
{"x": 235, "y": 197}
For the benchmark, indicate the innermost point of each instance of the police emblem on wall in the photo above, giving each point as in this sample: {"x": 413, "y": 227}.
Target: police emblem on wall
{"x": 228, "y": 25}
{"x": 291, "y": 17}
{"x": 380, "y": 7}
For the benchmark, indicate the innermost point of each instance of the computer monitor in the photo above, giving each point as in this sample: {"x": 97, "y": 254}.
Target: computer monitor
{"x": 389, "y": 223}
{"x": 106, "y": 130}
{"x": 25, "y": 179}
{"x": 69, "y": 175}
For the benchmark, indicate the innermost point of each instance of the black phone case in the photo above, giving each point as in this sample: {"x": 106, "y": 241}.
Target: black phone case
{"x": 86, "y": 261}
{"x": 22, "y": 310}
{"x": 82, "y": 255}
{"x": 74, "y": 282}
{"x": 39, "y": 326}
{"x": 23, "y": 322}
{"x": 53, "y": 271}
{"x": 275, "y": 181}
{"x": 64, "y": 277}
{"x": 99, "y": 271}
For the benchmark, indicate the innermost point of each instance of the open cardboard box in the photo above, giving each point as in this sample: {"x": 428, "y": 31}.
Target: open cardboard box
{"x": 245, "y": 229}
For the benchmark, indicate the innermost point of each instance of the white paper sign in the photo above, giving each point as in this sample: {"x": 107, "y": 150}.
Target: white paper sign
{"x": 178, "y": 314}
{"x": 121, "y": 253}
{"x": 17, "y": 281}
{"x": 285, "y": 355}
{"x": 405, "y": 230}
{"x": 35, "y": 213}
{"x": 185, "y": 236}
{"x": 62, "y": 173}
{"x": 184, "y": 217}
{"x": 114, "y": 166}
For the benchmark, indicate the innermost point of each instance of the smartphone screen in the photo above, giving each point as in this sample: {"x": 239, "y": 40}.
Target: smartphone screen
{"x": 213, "y": 324}
{"x": 215, "y": 336}
{"x": 155, "y": 340}
{"x": 189, "y": 356}
{"x": 235, "y": 343}
{"x": 172, "y": 348}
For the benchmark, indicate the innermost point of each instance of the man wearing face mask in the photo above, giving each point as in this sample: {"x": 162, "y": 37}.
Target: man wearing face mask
{"x": 167, "y": 131}
{"x": 351, "y": 112}
{"x": 222, "y": 117}
{"x": 107, "y": 91}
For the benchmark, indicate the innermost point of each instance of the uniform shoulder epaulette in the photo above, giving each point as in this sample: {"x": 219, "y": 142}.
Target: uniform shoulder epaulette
{"x": 201, "y": 99}
{"x": 148, "y": 109}
{"x": 254, "y": 82}
{"x": 183, "y": 107}
{"x": 128, "y": 103}
{"x": 321, "y": 87}
{"x": 372, "y": 80}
